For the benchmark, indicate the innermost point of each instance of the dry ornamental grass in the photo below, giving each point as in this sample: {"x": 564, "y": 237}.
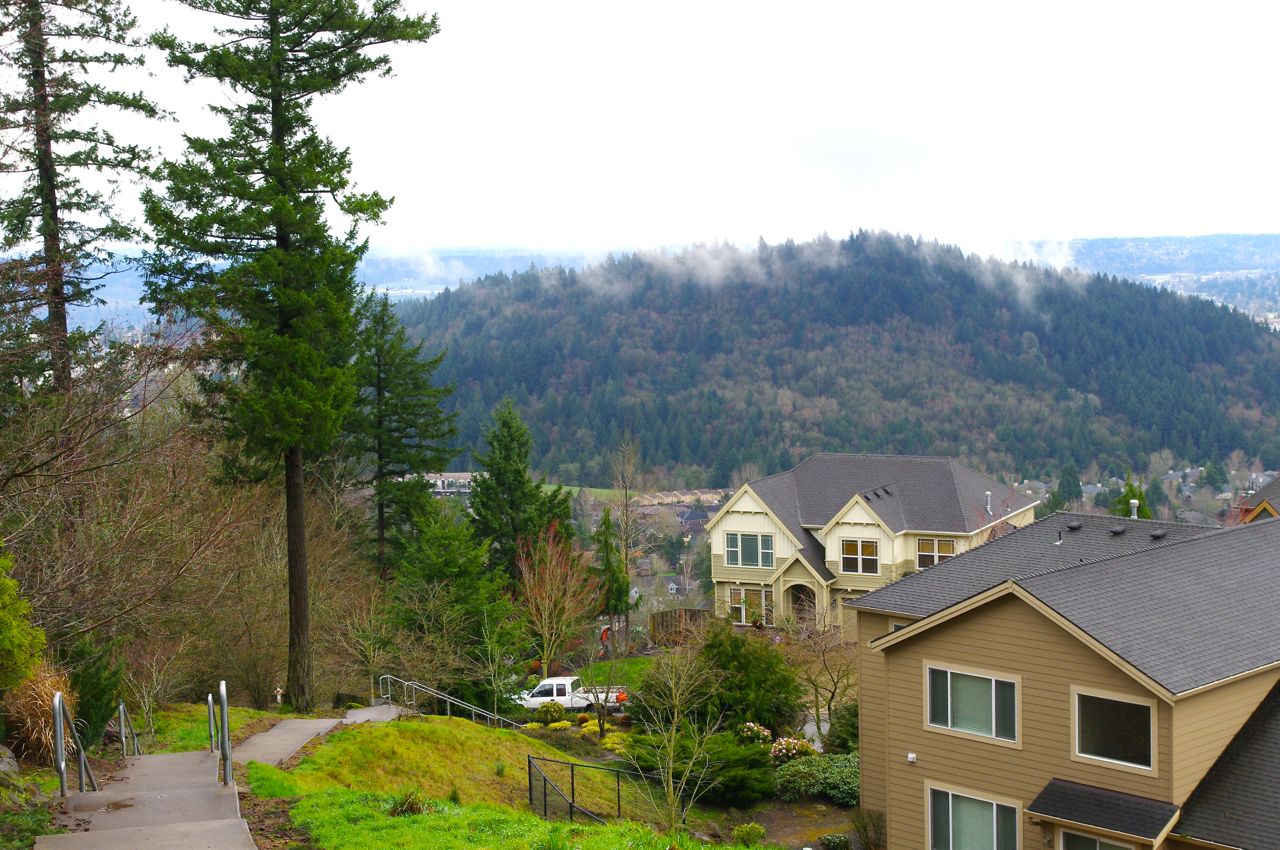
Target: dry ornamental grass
{"x": 28, "y": 708}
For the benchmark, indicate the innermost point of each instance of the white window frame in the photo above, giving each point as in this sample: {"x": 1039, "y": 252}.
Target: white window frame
{"x": 1062, "y": 839}
{"x": 951, "y": 790}
{"x": 738, "y": 600}
{"x": 993, "y": 675}
{"x": 861, "y": 570}
{"x": 1153, "y": 710}
{"x": 735, "y": 547}
{"x": 938, "y": 558}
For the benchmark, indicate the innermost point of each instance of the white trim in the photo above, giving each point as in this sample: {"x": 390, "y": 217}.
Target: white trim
{"x": 1062, "y": 839}
{"x": 938, "y": 558}
{"x": 859, "y": 572}
{"x": 1153, "y": 711}
{"x": 993, "y": 676}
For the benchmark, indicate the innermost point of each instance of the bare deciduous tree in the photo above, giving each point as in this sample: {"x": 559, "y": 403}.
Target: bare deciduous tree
{"x": 368, "y": 640}
{"x": 559, "y": 593}
{"x": 677, "y": 731}
{"x": 824, "y": 659}
{"x": 151, "y": 675}
{"x": 635, "y": 537}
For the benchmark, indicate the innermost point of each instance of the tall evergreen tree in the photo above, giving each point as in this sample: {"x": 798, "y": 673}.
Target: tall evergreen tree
{"x": 1121, "y": 506}
{"x": 1069, "y": 489}
{"x": 611, "y": 570}
{"x": 244, "y": 244}
{"x": 507, "y": 505}
{"x": 397, "y": 425}
{"x": 61, "y": 53}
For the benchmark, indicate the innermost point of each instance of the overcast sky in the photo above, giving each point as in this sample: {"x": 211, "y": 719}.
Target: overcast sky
{"x": 590, "y": 126}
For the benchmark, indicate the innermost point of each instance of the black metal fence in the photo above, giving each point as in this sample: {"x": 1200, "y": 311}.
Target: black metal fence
{"x": 552, "y": 800}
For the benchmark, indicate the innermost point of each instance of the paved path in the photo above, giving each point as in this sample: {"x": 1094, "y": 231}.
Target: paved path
{"x": 174, "y": 801}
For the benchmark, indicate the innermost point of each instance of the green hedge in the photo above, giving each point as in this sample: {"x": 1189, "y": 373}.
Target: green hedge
{"x": 833, "y": 778}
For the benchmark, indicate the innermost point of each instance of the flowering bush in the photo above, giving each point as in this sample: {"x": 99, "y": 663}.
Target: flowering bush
{"x": 786, "y": 749}
{"x": 559, "y": 724}
{"x": 754, "y": 733}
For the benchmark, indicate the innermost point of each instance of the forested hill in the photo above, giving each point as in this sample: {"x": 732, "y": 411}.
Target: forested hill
{"x": 717, "y": 358}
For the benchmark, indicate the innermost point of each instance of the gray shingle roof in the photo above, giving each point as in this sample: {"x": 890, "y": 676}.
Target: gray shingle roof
{"x": 1187, "y": 613}
{"x": 1023, "y": 552}
{"x": 908, "y": 492}
{"x": 779, "y": 493}
{"x": 1238, "y": 801}
{"x": 1132, "y": 815}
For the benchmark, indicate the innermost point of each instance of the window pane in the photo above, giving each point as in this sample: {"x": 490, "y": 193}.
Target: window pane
{"x": 972, "y": 824}
{"x": 1102, "y": 845}
{"x": 1115, "y": 730}
{"x": 938, "y": 713}
{"x": 939, "y": 820}
{"x": 737, "y": 613}
{"x": 923, "y": 561}
{"x": 1006, "y": 711}
{"x": 1006, "y": 828}
{"x": 971, "y": 703}
{"x": 924, "y": 544}
{"x": 946, "y": 547}
{"x": 750, "y": 550}
{"x": 1071, "y": 841}
{"x": 766, "y": 550}
{"x": 848, "y": 547}
{"x": 731, "y": 549}
{"x": 868, "y": 548}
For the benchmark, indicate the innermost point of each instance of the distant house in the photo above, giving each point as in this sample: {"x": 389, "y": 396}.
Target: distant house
{"x": 839, "y": 525}
{"x": 1264, "y": 504}
{"x": 451, "y": 484}
{"x": 1077, "y": 685}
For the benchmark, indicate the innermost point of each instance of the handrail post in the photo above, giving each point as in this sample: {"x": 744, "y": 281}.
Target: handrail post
{"x": 59, "y": 744}
{"x": 226, "y": 734}
{"x": 573, "y": 792}
{"x": 213, "y": 741}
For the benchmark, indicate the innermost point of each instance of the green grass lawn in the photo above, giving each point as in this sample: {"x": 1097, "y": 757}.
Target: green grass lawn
{"x": 184, "y": 728}
{"x": 626, "y": 672}
{"x": 343, "y": 793}
{"x": 24, "y": 809}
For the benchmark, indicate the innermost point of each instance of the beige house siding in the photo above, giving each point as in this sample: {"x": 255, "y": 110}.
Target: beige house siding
{"x": 1204, "y": 724}
{"x": 873, "y": 696}
{"x": 1008, "y": 636}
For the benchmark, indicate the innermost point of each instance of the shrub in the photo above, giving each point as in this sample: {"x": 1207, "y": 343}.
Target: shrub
{"x": 95, "y": 677}
{"x": 834, "y": 841}
{"x": 833, "y": 778}
{"x": 549, "y": 712}
{"x": 500, "y": 769}
{"x": 453, "y": 796}
{"x": 345, "y": 700}
{"x": 756, "y": 683}
{"x": 842, "y": 735}
{"x": 560, "y": 724}
{"x": 20, "y": 642}
{"x": 741, "y": 773}
{"x": 28, "y": 708}
{"x": 868, "y": 826}
{"x": 748, "y": 834}
{"x": 614, "y": 743}
{"x": 584, "y": 719}
{"x": 754, "y": 733}
{"x": 533, "y": 725}
{"x": 789, "y": 749}
{"x": 408, "y": 803}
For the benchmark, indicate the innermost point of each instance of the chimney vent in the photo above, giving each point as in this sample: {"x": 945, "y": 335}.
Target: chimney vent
{"x": 988, "y": 503}
{"x": 1133, "y": 509}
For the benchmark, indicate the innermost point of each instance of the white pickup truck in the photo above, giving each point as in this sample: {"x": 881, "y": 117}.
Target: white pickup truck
{"x": 569, "y": 692}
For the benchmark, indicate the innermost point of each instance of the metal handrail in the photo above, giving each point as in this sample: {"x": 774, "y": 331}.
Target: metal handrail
{"x": 126, "y": 722}
{"x": 61, "y": 721}
{"x": 410, "y": 691}
{"x": 570, "y": 799}
{"x": 213, "y": 728}
{"x": 226, "y": 735}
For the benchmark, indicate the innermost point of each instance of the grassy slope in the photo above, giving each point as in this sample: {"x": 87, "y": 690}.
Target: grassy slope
{"x": 626, "y": 672}
{"x": 436, "y": 756}
{"x": 348, "y": 784}
{"x": 184, "y": 728}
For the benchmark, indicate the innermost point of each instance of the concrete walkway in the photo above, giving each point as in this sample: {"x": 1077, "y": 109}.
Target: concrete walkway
{"x": 174, "y": 801}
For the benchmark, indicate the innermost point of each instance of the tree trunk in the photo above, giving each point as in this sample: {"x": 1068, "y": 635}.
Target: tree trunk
{"x": 36, "y": 49}
{"x": 299, "y": 608}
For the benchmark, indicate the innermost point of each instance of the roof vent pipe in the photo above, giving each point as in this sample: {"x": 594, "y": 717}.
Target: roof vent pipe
{"x": 1133, "y": 509}
{"x": 988, "y": 503}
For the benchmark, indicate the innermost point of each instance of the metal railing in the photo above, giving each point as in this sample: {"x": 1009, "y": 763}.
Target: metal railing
{"x": 537, "y": 775}
{"x": 127, "y": 733}
{"x": 223, "y": 733}
{"x": 61, "y": 722}
{"x": 410, "y": 691}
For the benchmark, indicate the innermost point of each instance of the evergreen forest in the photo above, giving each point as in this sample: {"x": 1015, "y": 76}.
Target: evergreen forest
{"x": 720, "y": 360}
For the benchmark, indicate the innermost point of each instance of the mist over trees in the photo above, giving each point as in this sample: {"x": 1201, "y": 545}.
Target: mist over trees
{"x": 718, "y": 358}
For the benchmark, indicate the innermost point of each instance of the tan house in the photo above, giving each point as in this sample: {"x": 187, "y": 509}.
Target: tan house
{"x": 1085, "y": 683}
{"x": 840, "y": 525}
{"x": 1264, "y": 504}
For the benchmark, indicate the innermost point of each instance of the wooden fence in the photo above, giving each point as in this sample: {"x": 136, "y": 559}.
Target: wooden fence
{"x": 667, "y": 628}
